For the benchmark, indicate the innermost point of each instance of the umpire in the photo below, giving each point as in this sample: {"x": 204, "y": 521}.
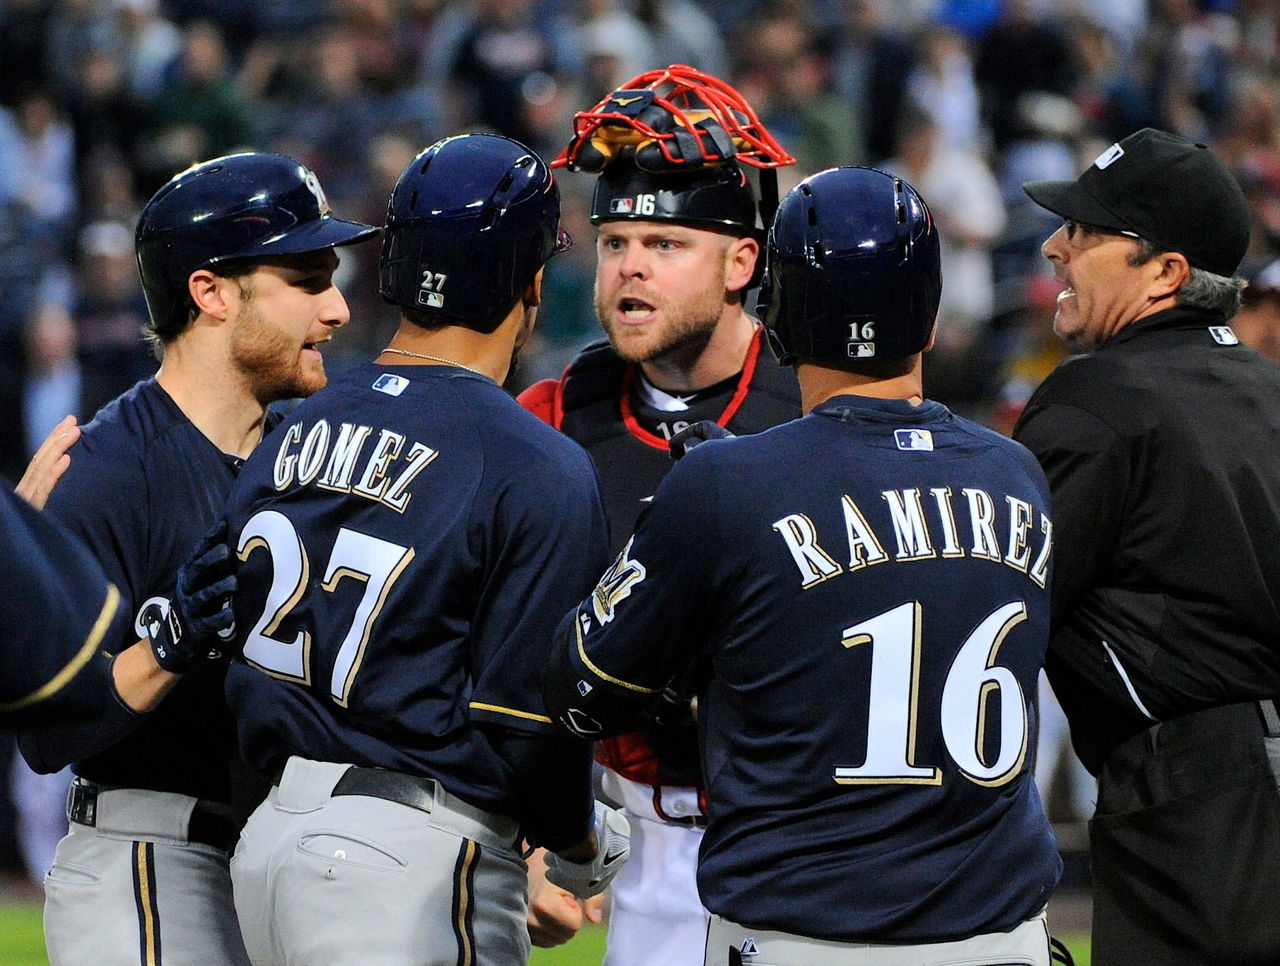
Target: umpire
{"x": 1162, "y": 449}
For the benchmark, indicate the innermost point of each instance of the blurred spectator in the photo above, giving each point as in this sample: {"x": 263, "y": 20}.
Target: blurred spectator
{"x": 1251, "y": 146}
{"x": 240, "y": 22}
{"x": 1109, "y": 98}
{"x": 150, "y": 45}
{"x": 37, "y": 139}
{"x": 615, "y": 46}
{"x": 962, "y": 194}
{"x": 1029, "y": 350}
{"x": 789, "y": 82}
{"x": 22, "y": 266}
{"x": 107, "y": 189}
{"x": 198, "y": 114}
{"x": 942, "y": 84}
{"x": 871, "y": 65}
{"x": 53, "y": 388}
{"x": 1184, "y": 62}
{"x": 23, "y": 27}
{"x": 330, "y": 116}
{"x": 505, "y": 74}
{"x": 1018, "y": 55}
{"x": 682, "y": 32}
{"x": 104, "y": 115}
{"x": 109, "y": 311}
{"x": 1259, "y": 33}
{"x": 1258, "y": 321}
{"x": 75, "y": 27}
{"x": 1050, "y": 127}
{"x": 1124, "y": 20}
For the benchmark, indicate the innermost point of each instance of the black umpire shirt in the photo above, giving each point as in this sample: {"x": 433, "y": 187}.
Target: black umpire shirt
{"x": 1162, "y": 450}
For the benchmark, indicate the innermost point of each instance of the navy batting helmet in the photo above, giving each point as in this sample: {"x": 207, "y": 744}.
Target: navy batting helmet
{"x": 243, "y": 206}
{"x": 853, "y": 273}
{"x": 471, "y": 221}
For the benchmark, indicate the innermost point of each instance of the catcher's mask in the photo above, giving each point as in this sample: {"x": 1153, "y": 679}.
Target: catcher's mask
{"x": 670, "y": 145}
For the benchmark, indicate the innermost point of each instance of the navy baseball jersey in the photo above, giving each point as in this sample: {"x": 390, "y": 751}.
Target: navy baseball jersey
{"x": 869, "y": 587}
{"x": 56, "y": 609}
{"x": 143, "y": 487}
{"x": 408, "y": 541}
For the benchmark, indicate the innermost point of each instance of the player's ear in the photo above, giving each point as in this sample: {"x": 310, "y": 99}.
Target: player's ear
{"x": 209, "y": 293}
{"x": 533, "y": 291}
{"x": 740, "y": 263}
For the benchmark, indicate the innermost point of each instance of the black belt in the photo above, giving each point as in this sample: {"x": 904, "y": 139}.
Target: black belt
{"x": 392, "y": 786}
{"x": 205, "y": 827}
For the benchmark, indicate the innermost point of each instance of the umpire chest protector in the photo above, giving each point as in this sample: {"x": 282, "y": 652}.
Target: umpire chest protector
{"x": 596, "y": 407}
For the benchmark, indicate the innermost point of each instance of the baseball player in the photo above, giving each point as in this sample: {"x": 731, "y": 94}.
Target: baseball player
{"x": 237, "y": 260}
{"x": 678, "y": 246}
{"x": 867, "y": 589}
{"x": 408, "y": 541}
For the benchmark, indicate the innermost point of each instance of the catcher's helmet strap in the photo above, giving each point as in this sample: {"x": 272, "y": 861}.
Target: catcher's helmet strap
{"x": 668, "y": 120}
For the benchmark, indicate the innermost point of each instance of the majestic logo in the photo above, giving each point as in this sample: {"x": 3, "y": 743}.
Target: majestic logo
{"x": 914, "y": 440}
{"x": 1223, "y": 335}
{"x": 391, "y": 384}
{"x": 1109, "y": 157}
{"x": 615, "y": 586}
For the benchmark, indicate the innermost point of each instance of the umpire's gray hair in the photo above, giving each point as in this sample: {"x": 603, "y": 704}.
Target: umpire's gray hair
{"x": 1202, "y": 290}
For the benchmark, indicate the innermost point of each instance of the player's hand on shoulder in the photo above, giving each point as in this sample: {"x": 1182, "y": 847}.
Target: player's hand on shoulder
{"x": 612, "y": 835}
{"x": 695, "y": 434}
{"x": 48, "y": 464}
{"x": 200, "y": 619}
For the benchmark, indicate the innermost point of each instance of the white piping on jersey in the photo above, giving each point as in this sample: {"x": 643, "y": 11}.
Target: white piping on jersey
{"x": 1127, "y": 683}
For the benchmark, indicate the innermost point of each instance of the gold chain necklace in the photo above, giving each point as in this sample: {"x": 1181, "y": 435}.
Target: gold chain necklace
{"x": 423, "y": 355}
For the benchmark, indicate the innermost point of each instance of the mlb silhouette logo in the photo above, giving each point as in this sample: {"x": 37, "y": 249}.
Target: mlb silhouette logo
{"x": 1223, "y": 335}
{"x": 915, "y": 440}
{"x": 622, "y": 206}
{"x": 391, "y": 384}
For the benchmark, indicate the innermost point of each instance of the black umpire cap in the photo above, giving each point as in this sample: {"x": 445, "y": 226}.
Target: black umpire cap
{"x": 1175, "y": 193}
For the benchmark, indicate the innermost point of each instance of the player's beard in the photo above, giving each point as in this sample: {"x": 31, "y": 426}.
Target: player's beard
{"x": 271, "y": 359}
{"x": 684, "y": 331}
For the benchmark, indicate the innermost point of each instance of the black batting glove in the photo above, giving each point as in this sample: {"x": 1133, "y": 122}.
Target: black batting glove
{"x": 200, "y": 616}
{"x": 699, "y": 432}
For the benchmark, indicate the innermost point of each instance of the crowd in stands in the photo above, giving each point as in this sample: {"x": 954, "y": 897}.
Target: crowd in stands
{"x": 102, "y": 100}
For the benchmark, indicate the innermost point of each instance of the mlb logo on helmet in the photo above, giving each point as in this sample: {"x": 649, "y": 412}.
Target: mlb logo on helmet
{"x": 622, "y": 206}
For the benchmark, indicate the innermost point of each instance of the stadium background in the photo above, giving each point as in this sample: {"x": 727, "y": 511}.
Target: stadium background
{"x": 102, "y": 100}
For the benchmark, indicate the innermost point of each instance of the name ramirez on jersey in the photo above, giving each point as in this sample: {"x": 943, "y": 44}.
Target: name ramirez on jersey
{"x": 924, "y": 525}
